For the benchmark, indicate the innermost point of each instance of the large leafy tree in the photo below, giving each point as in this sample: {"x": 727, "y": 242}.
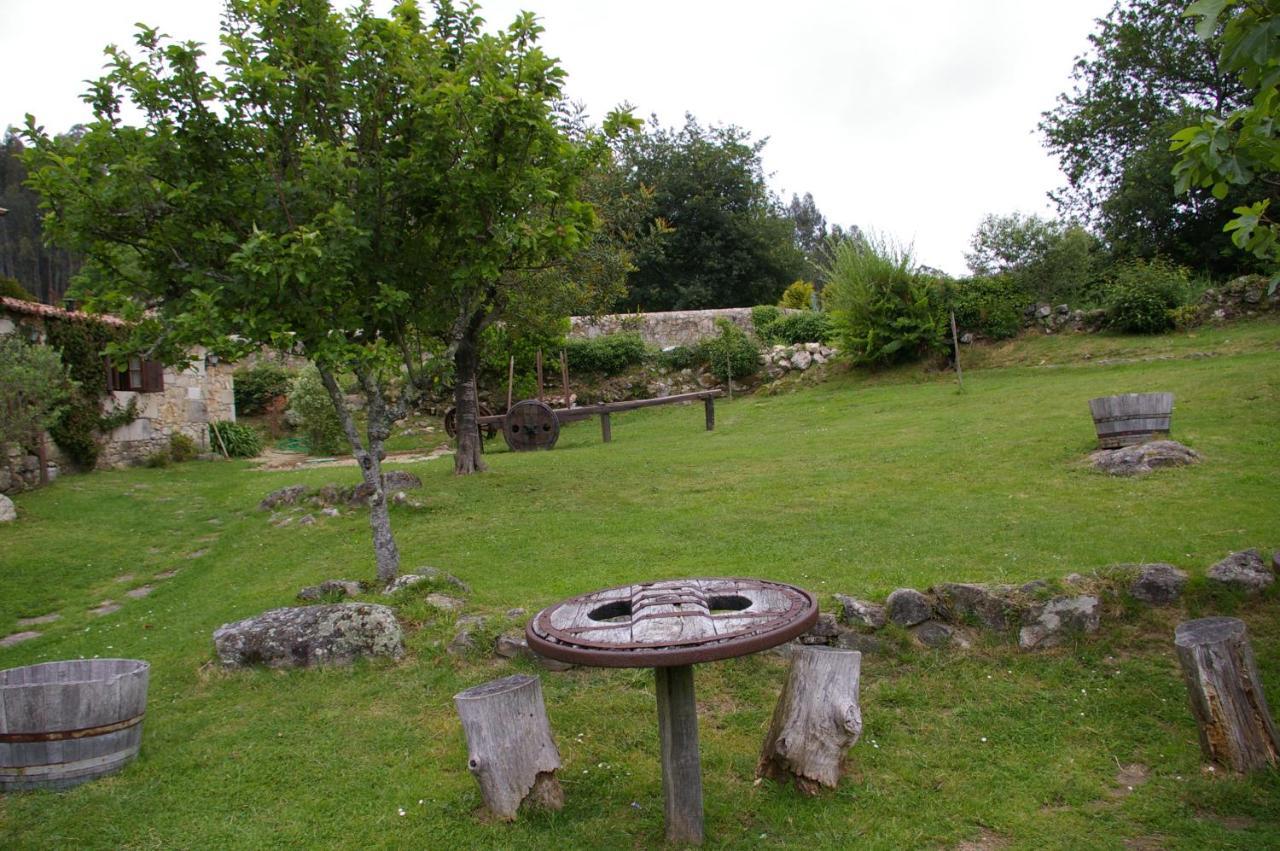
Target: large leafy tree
{"x": 338, "y": 191}
{"x": 731, "y": 243}
{"x": 1044, "y": 258}
{"x": 1145, "y": 76}
{"x": 43, "y": 270}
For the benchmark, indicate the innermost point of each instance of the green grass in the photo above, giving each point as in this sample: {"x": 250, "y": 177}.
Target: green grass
{"x": 857, "y": 486}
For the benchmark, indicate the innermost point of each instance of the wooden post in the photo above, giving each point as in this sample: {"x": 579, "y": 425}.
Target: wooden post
{"x": 681, "y": 766}
{"x": 564, "y": 376}
{"x": 606, "y": 428}
{"x": 955, "y": 342}
{"x": 511, "y": 380}
{"x": 1226, "y": 696}
{"x": 539, "y": 375}
{"x": 710, "y": 404}
{"x": 509, "y": 746}
{"x": 42, "y": 455}
{"x": 816, "y": 720}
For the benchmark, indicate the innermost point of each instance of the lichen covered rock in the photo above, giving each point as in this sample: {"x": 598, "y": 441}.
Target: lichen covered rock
{"x": 310, "y": 635}
{"x": 1143, "y": 458}
{"x": 1243, "y": 571}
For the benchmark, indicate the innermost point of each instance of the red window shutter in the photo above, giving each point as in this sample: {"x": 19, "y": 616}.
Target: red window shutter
{"x": 114, "y": 380}
{"x": 152, "y": 376}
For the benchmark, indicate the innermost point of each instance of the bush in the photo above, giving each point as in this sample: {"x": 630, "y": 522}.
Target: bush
{"x": 807, "y": 327}
{"x": 762, "y": 318}
{"x": 884, "y": 311}
{"x": 10, "y": 288}
{"x": 991, "y": 306}
{"x": 240, "y": 440}
{"x": 607, "y": 355}
{"x": 798, "y": 296}
{"x": 730, "y": 355}
{"x": 182, "y": 448}
{"x": 1142, "y": 295}
{"x": 679, "y": 357}
{"x": 256, "y": 386}
{"x": 311, "y": 410}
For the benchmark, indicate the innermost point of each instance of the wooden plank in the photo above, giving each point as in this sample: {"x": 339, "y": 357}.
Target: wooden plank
{"x": 681, "y": 763}
{"x": 670, "y": 613}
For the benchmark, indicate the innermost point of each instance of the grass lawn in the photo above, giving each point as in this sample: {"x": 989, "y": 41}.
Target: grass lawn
{"x": 858, "y": 485}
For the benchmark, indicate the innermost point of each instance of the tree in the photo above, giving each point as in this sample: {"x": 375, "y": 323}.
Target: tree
{"x": 1045, "y": 258}
{"x": 813, "y": 236}
{"x": 43, "y": 270}
{"x": 1242, "y": 149}
{"x": 1146, "y": 76}
{"x": 345, "y": 191}
{"x": 731, "y": 243}
{"x": 33, "y": 387}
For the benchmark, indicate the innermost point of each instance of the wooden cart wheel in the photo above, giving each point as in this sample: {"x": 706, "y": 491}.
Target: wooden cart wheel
{"x": 531, "y": 425}
{"x": 451, "y": 423}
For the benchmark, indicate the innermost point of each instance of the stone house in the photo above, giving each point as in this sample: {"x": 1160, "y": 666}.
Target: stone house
{"x": 169, "y": 400}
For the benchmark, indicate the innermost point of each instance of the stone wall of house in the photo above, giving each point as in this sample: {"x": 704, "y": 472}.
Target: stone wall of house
{"x": 668, "y": 328}
{"x": 192, "y": 398}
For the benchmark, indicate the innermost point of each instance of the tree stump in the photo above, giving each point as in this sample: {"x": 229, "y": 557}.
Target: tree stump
{"x": 509, "y": 746}
{"x": 1231, "y": 712}
{"x": 817, "y": 719}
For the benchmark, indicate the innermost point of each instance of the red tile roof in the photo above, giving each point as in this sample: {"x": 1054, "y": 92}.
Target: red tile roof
{"x": 33, "y": 308}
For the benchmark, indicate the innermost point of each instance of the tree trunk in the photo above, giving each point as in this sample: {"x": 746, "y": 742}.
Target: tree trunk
{"x": 386, "y": 554}
{"x": 1226, "y": 696}
{"x": 817, "y": 719}
{"x": 510, "y": 750}
{"x": 467, "y": 458}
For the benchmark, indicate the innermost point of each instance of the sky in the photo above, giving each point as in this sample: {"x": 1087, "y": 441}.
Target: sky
{"x": 913, "y": 120}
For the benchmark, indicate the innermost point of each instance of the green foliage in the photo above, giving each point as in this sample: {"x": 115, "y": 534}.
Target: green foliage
{"x": 762, "y": 318}
{"x": 182, "y": 448}
{"x": 24, "y": 252}
{"x": 807, "y": 327}
{"x": 884, "y": 311}
{"x": 988, "y": 305}
{"x": 158, "y": 459}
{"x": 1145, "y": 76}
{"x": 34, "y": 389}
{"x": 1142, "y": 296}
{"x": 82, "y": 345}
{"x": 679, "y": 357}
{"x": 256, "y": 386}
{"x": 10, "y": 288}
{"x": 311, "y": 411}
{"x": 522, "y": 340}
{"x": 730, "y": 242}
{"x": 1242, "y": 148}
{"x": 731, "y": 354}
{"x": 76, "y": 433}
{"x": 240, "y": 439}
{"x": 1047, "y": 259}
{"x": 607, "y": 355}
{"x": 797, "y": 296}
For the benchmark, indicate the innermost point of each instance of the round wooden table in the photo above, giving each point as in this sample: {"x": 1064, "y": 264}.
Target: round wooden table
{"x": 670, "y": 626}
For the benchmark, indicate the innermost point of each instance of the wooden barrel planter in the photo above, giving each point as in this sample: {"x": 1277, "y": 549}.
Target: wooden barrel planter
{"x": 1131, "y": 418}
{"x": 64, "y": 723}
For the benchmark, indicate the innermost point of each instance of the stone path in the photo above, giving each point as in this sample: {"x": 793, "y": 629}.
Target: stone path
{"x": 17, "y": 638}
{"x": 139, "y": 592}
{"x": 49, "y": 618}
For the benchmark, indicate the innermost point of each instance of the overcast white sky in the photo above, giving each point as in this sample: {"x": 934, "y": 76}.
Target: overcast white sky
{"x": 914, "y": 119}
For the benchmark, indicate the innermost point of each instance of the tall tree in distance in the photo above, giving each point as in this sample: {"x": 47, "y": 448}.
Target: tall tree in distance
{"x": 815, "y": 239}
{"x": 43, "y": 270}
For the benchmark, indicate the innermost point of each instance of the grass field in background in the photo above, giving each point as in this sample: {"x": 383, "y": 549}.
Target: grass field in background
{"x": 857, "y": 485}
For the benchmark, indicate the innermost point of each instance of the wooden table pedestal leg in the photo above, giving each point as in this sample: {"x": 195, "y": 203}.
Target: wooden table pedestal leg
{"x": 681, "y": 766}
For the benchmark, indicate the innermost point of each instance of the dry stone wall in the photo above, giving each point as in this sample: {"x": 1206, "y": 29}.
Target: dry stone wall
{"x": 664, "y": 329}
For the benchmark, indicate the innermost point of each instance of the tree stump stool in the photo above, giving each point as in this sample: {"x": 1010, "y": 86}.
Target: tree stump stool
{"x": 509, "y": 746}
{"x": 1226, "y": 696}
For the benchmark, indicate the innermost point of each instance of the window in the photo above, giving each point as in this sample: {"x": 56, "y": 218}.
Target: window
{"x": 141, "y": 376}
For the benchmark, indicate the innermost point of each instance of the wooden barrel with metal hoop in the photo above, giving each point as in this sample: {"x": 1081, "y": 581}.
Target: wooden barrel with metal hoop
{"x": 1131, "y": 418}
{"x": 451, "y": 422}
{"x": 531, "y": 425}
{"x": 64, "y": 723}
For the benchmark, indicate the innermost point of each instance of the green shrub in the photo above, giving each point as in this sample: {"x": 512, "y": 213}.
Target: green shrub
{"x": 607, "y": 355}
{"x": 34, "y": 389}
{"x": 10, "y": 288}
{"x": 991, "y": 306}
{"x": 257, "y": 385}
{"x": 182, "y": 448}
{"x": 884, "y": 311}
{"x": 762, "y": 318}
{"x": 311, "y": 411}
{"x": 807, "y": 327}
{"x": 158, "y": 459}
{"x": 1187, "y": 316}
{"x": 241, "y": 440}
{"x": 679, "y": 357}
{"x": 798, "y": 296}
{"x": 730, "y": 355}
{"x": 1142, "y": 295}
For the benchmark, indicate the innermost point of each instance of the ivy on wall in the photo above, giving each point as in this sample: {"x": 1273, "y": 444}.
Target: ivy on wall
{"x": 82, "y": 345}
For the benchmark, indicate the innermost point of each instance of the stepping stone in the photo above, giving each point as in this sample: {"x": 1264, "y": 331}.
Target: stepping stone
{"x": 167, "y": 574}
{"x": 17, "y": 638}
{"x": 198, "y": 553}
{"x": 49, "y": 618}
{"x": 106, "y": 607}
{"x": 139, "y": 593}
{"x": 124, "y": 577}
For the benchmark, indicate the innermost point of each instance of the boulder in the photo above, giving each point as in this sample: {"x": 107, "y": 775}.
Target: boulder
{"x": 848, "y": 639}
{"x": 908, "y": 607}
{"x": 1143, "y": 458}
{"x": 310, "y": 635}
{"x": 1243, "y": 571}
{"x": 284, "y": 496}
{"x": 855, "y": 612}
{"x": 464, "y": 640}
{"x": 444, "y": 601}
{"x": 340, "y": 587}
{"x": 825, "y": 627}
{"x": 1158, "y": 584}
{"x": 1053, "y": 621}
{"x": 801, "y": 360}
{"x": 934, "y": 634}
{"x": 960, "y": 602}
{"x": 400, "y": 480}
{"x": 426, "y": 574}
{"x": 7, "y": 512}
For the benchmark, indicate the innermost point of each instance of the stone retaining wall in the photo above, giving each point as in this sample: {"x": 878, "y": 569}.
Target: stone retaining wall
{"x": 664, "y": 329}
